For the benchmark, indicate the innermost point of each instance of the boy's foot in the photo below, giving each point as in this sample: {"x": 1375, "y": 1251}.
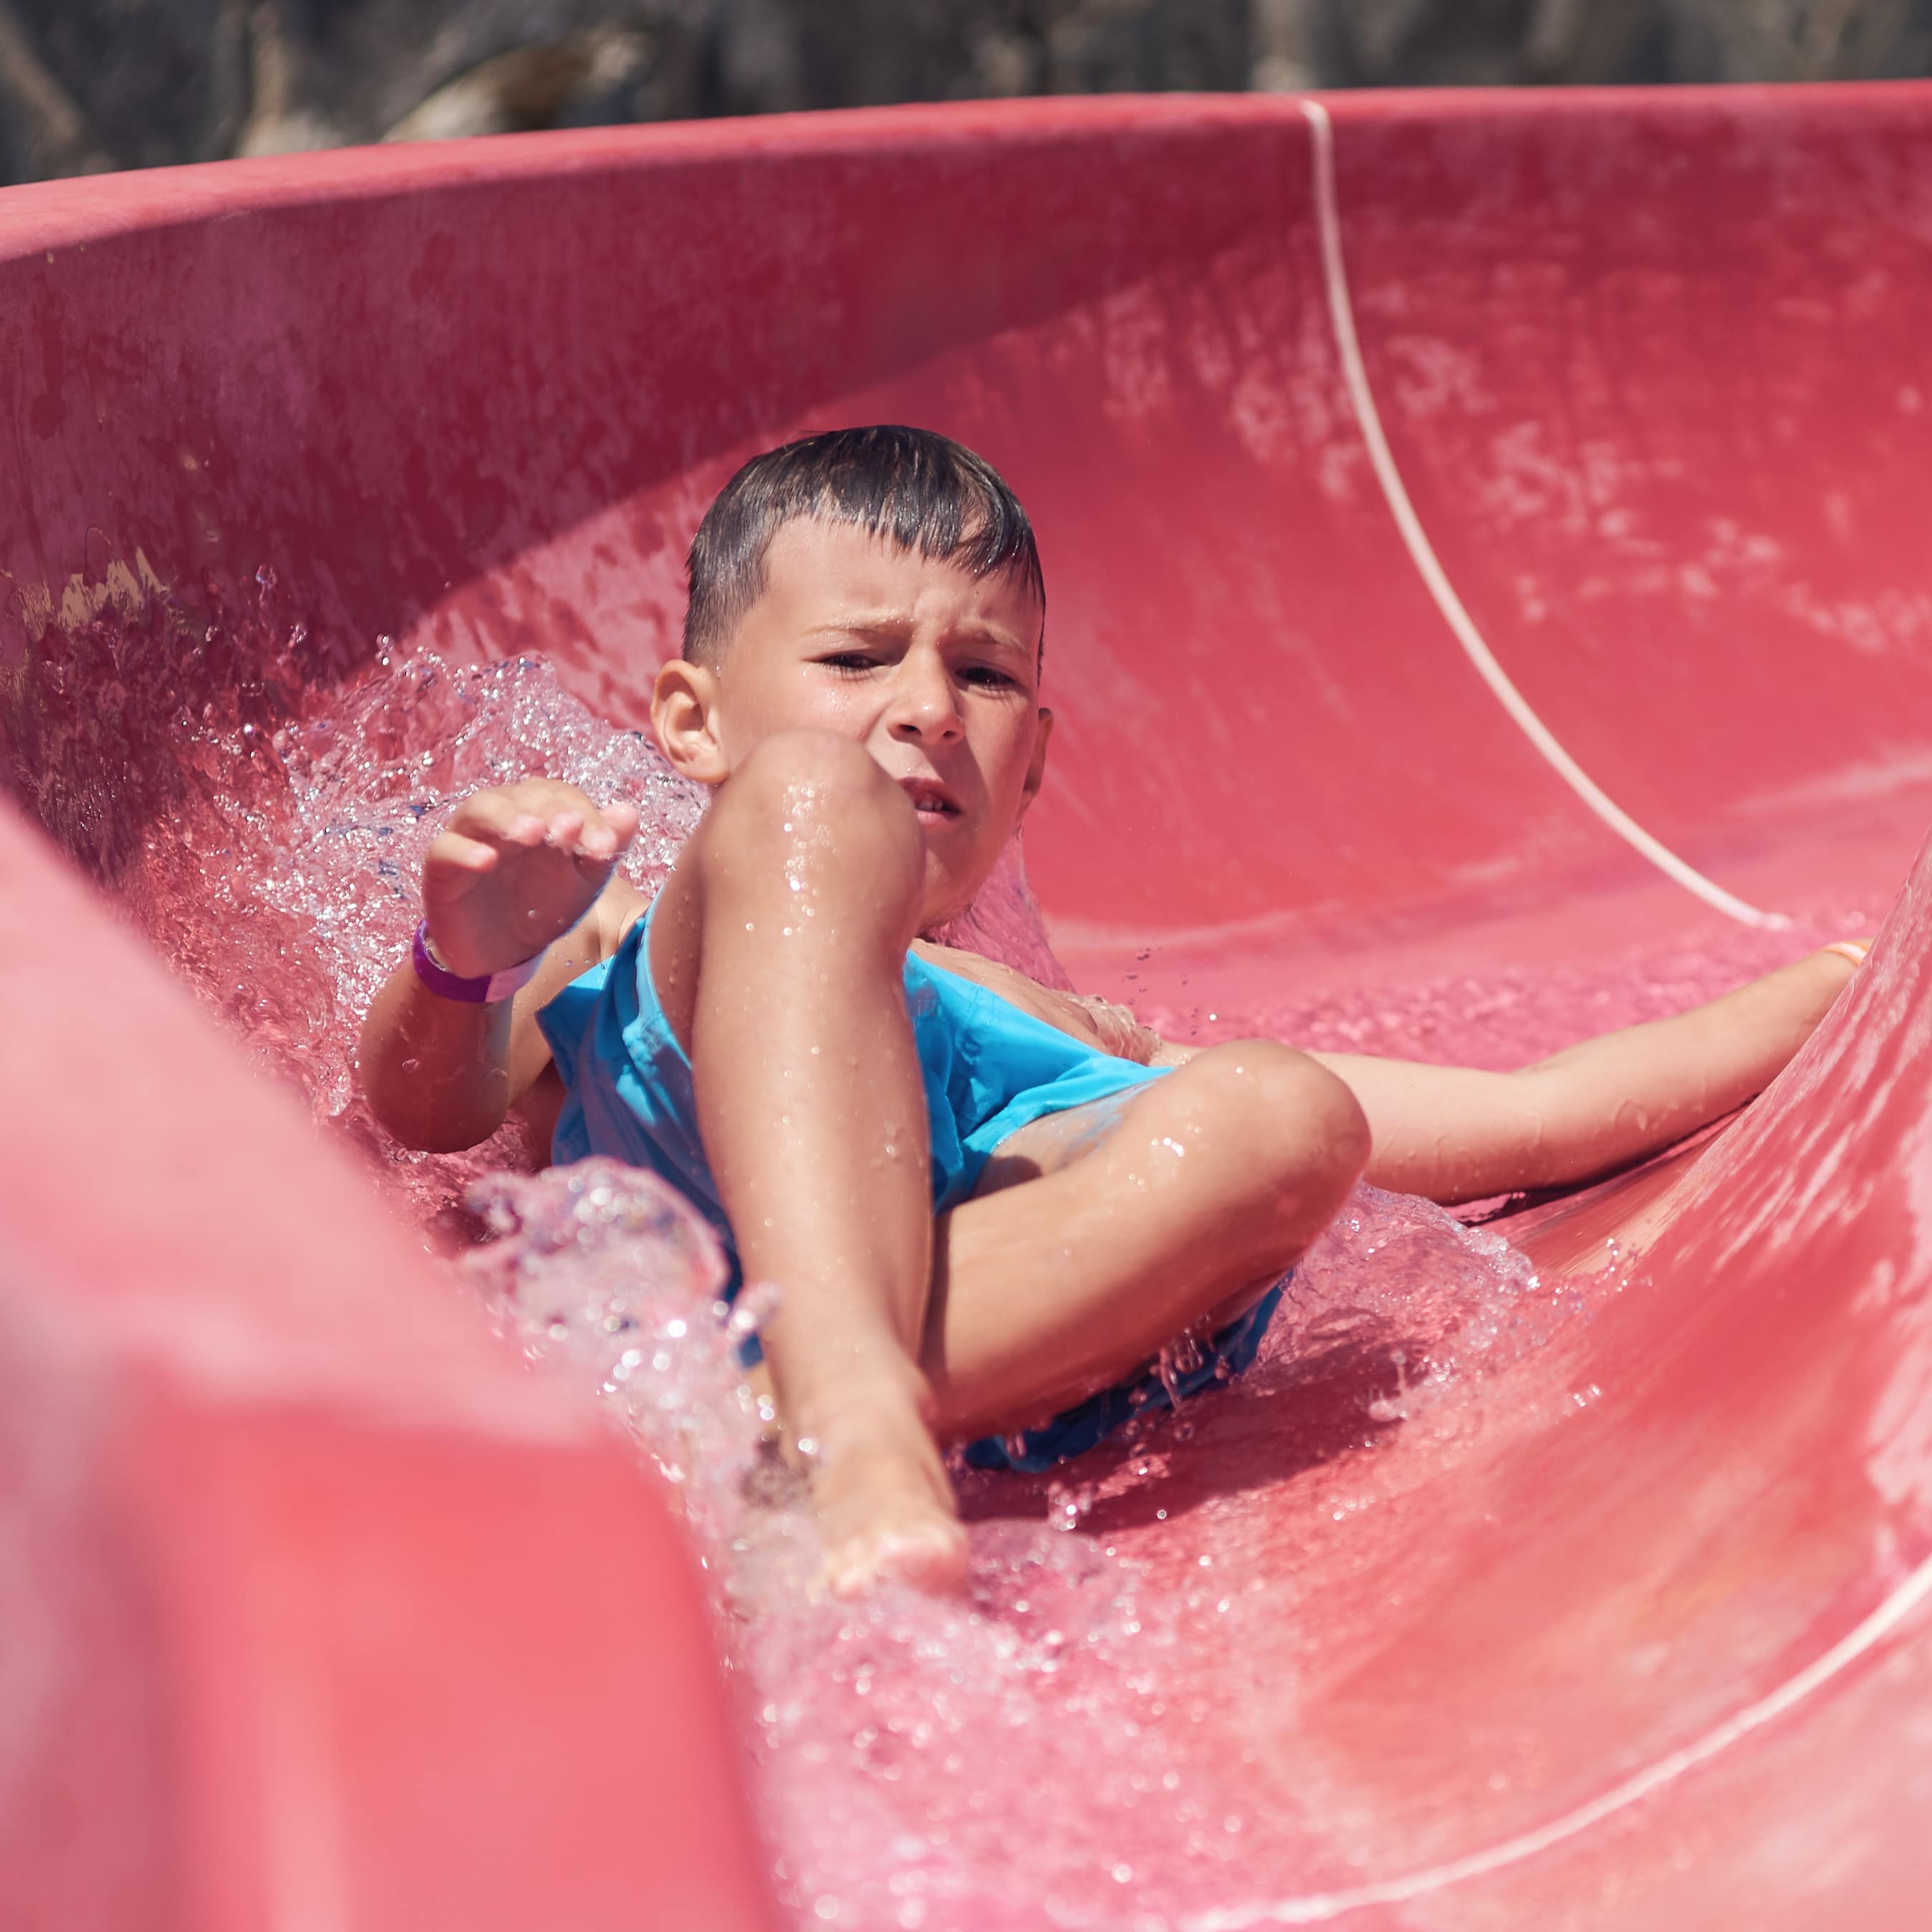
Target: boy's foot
{"x": 886, "y": 1510}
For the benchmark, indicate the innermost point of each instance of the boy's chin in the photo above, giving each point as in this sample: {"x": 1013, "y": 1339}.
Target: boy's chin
{"x": 949, "y": 893}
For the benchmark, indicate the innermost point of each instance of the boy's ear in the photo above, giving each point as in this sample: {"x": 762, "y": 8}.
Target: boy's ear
{"x": 1036, "y": 770}
{"x": 684, "y": 708}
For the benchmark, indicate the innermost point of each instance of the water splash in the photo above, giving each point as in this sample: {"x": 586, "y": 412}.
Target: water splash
{"x": 901, "y": 1740}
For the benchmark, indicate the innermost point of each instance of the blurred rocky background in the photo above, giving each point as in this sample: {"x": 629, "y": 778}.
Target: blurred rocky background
{"x": 87, "y": 85}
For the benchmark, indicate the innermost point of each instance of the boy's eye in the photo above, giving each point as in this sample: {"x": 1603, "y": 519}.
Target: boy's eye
{"x": 851, "y": 661}
{"x": 988, "y": 677}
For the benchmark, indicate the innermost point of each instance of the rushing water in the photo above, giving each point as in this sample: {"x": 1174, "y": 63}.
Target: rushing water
{"x": 1104, "y": 1733}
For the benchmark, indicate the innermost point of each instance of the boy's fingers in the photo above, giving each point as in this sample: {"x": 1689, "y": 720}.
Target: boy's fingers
{"x": 470, "y": 855}
{"x": 606, "y": 833}
{"x": 542, "y": 812}
{"x": 497, "y": 815}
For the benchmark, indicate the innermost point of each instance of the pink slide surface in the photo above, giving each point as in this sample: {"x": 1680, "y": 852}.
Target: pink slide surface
{"x": 1484, "y": 534}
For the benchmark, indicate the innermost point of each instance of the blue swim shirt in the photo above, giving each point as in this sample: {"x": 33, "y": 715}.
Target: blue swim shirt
{"x": 988, "y": 1068}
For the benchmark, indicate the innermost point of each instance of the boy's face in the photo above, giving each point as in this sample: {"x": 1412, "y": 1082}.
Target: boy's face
{"x": 934, "y": 671}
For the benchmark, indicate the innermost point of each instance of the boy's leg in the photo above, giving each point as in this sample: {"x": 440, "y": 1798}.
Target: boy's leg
{"x": 777, "y": 952}
{"x": 1113, "y": 1229}
{"x": 1457, "y": 1133}
{"x": 1048, "y": 1289}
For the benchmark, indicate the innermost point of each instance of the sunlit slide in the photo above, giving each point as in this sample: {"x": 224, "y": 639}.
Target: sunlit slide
{"x": 1489, "y": 604}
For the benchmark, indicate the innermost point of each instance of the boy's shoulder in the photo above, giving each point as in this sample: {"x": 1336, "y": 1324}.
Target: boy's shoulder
{"x": 616, "y": 909}
{"x": 1008, "y": 983}
{"x": 1041, "y": 1003}
{"x": 1111, "y": 1029}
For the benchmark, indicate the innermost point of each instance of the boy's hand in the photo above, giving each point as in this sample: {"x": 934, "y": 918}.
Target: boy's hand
{"x": 516, "y": 868}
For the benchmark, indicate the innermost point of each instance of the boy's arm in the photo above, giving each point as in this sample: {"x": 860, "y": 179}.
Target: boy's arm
{"x": 516, "y": 869}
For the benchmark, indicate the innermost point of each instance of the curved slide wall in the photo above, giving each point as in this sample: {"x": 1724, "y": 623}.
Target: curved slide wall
{"x": 1480, "y": 525}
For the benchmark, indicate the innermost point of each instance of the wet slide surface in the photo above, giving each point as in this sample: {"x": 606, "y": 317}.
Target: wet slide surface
{"x": 1489, "y": 604}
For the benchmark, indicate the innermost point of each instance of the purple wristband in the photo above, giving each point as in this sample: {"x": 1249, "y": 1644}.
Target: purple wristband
{"x": 485, "y": 990}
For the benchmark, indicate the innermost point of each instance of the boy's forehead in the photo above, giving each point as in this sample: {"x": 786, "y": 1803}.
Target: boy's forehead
{"x": 824, "y": 570}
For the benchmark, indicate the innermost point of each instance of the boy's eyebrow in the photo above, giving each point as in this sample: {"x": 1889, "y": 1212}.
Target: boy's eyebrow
{"x": 897, "y": 623}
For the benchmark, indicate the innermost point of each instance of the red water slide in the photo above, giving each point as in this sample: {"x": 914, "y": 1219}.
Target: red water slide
{"x": 1478, "y": 528}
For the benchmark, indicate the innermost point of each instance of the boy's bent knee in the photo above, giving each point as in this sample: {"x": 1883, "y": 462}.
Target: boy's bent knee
{"x": 813, "y": 769}
{"x": 819, "y": 807}
{"x": 1284, "y": 1129}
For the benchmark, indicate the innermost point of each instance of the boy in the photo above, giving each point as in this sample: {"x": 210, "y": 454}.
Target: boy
{"x": 984, "y": 1203}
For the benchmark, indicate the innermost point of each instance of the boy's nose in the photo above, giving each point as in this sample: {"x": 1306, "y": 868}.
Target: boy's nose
{"x": 927, "y": 708}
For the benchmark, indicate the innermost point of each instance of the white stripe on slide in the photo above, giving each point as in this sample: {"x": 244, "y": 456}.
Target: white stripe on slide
{"x": 1341, "y": 309}
{"x": 1317, "y": 1908}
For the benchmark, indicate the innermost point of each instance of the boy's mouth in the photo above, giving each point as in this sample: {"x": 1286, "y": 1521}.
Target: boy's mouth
{"x": 930, "y": 800}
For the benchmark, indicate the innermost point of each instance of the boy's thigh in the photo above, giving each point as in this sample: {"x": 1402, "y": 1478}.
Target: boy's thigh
{"x": 1099, "y": 1234}
{"x": 1095, "y": 1236}
{"x": 1054, "y": 1141}
{"x": 1253, "y": 1109}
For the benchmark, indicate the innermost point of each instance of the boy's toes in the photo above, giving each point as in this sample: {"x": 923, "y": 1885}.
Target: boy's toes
{"x": 929, "y": 1556}
{"x": 886, "y": 1514}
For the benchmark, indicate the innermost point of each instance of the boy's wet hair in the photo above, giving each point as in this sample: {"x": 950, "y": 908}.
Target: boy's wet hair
{"x": 919, "y": 490}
